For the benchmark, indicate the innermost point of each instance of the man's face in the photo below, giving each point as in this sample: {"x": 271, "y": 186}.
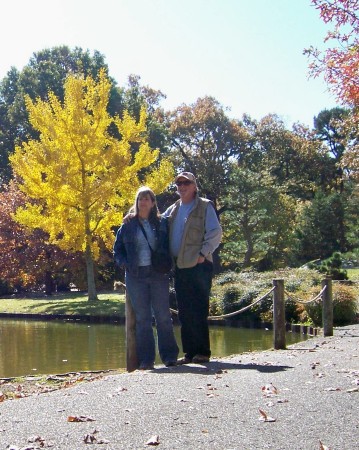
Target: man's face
{"x": 186, "y": 189}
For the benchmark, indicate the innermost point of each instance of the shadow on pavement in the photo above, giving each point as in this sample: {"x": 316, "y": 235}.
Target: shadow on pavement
{"x": 218, "y": 367}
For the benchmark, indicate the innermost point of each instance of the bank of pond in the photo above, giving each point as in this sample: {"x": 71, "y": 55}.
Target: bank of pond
{"x": 35, "y": 347}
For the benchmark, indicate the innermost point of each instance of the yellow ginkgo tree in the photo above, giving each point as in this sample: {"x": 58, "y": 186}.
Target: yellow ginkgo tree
{"x": 78, "y": 177}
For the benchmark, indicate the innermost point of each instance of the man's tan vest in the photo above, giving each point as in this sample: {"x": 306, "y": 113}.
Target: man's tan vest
{"x": 193, "y": 233}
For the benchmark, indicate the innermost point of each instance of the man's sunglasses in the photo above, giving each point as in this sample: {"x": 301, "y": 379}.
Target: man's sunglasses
{"x": 183, "y": 183}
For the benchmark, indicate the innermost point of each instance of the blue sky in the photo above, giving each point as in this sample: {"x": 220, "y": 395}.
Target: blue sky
{"x": 245, "y": 53}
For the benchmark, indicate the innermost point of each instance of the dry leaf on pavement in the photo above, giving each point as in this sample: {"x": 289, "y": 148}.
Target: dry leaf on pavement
{"x": 264, "y": 417}
{"x": 269, "y": 390}
{"x": 80, "y": 419}
{"x": 154, "y": 440}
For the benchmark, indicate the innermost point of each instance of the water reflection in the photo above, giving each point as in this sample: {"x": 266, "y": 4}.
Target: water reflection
{"x": 39, "y": 347}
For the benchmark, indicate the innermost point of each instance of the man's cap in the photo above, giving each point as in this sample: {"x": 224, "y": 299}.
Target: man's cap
{"x": 188, "y": 175}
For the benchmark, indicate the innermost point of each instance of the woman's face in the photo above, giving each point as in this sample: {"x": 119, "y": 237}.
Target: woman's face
{"x": 144, "y": 205}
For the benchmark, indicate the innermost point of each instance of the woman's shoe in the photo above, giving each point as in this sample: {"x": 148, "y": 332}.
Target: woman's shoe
{"x": 144, "y": 366}
{"x": 170, "y": 363}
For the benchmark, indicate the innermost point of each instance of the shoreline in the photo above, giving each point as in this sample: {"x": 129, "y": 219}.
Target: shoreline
{"x": 310, "y": 330}
{"x": 296, "y": 398}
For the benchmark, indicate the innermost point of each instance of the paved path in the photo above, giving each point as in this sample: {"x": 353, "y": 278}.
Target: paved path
{"x": 214, "y": 406}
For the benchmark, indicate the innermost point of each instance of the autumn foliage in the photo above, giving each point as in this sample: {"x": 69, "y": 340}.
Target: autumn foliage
{"x": 27, "y": 260}
{"x": 79, "y": 177}
{"x": 340, "y": 61}
{"x": 339, "y": 64}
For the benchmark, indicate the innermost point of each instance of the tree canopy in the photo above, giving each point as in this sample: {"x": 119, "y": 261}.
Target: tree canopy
{"x": 339, "y": 64}
{"x": 45, "y": 72}
{"x": 80, "y": 178}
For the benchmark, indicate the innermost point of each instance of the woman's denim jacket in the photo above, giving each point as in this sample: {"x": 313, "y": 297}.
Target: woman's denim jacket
{"x": 124, "y": 249}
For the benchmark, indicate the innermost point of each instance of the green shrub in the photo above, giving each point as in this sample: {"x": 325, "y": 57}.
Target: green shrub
{"x": 232, "y": 291}
{"x": 345, "y": 306}
{"x": 332, "y": 267}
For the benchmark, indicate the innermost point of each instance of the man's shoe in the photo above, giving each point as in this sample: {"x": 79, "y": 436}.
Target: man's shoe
{"x": 170, "y": 363}
{"x": 184, "y": 360}
{"x": 200, "y": 359}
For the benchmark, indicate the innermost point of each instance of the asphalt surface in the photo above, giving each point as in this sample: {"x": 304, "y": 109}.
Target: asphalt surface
{"x": 308, "y": 395}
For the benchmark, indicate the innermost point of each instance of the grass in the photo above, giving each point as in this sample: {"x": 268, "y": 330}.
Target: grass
{"x": 109, "y": 304}
{"x": 353, "y": 274}
{"x": 113, "y": 304}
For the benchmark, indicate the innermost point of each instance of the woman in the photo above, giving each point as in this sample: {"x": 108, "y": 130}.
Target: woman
{"x": 148, "y": 290}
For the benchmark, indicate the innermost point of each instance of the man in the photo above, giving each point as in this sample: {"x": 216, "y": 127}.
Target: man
{"x": 195, "y": 233}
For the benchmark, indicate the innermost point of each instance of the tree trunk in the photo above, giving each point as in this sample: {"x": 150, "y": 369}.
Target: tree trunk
{"x": 91, "y": 286}
{"x": 247, "y": 232}
{"x": 49, "y": 283}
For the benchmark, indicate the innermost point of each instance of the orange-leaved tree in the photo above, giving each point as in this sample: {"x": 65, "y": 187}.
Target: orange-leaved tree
{"x": 339, "y": 63}
{"x": 78, "y": 177}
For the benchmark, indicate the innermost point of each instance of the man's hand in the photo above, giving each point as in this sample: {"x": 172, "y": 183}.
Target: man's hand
{"x": 200, "y": 259}
{"x": 128, "y": 217}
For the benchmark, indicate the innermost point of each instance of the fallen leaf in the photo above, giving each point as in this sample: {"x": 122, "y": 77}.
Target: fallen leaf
{"x": 322, "y": 446}
{"x": 19, "y": 395}
{"x": 154, "y": 440}
{"x": 264, "y": 417}
{"x": 356, "y": 389}
{"x": 89, "y": 439}
{"x": 269, "y": 390}
{"x": 80, "y": 419}
{"x": 2, "y": 397}
{"x": 332, "y": 389}
{"x": 36, "y": 439}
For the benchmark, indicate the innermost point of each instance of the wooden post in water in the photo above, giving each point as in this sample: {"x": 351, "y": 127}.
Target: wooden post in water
{"x": 131, "y": 354}
{"x": 278, "y": 315}
{"x": 327, "y": 299}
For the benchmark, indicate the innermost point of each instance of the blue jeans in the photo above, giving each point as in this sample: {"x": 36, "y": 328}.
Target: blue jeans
{"x": 149, "y": 295}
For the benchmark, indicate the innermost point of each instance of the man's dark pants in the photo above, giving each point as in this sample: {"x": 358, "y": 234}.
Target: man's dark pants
{"x": 193, "y": 288}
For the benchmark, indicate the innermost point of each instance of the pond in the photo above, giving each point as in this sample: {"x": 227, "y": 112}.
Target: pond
{"x": 29, "y": 347}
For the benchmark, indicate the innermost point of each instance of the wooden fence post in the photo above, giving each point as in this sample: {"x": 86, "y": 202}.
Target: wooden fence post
{"x": 278, "y": 315}
{"x": 131, "y": 354}
{"x": 327, "y": 301}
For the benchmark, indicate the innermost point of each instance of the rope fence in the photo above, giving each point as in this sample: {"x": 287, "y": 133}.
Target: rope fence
{"x": 234, "y": 313}
{"x": 306, "y": 302}
{"x": 279, "y": 323}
